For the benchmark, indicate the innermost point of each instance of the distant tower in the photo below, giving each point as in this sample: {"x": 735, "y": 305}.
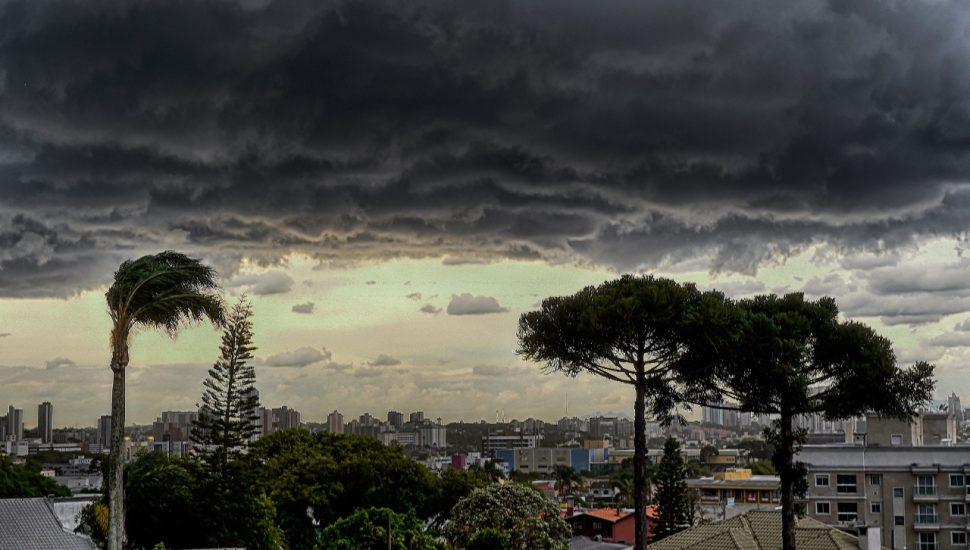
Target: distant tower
{"x": 45, "y": 422}
{"x": 15, "y": 423}
{"x": 104, "y": 431}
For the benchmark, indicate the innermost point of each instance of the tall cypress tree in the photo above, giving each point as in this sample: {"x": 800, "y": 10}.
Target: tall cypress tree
{"x": 227, "y": 415}
{"x": 673, "y": 498}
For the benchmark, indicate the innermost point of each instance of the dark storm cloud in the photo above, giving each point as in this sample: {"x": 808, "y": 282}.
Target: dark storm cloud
{"x": 629, "y": 134}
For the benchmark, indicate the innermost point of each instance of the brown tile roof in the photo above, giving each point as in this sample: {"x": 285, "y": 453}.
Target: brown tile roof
{"x": 757, "y": 530}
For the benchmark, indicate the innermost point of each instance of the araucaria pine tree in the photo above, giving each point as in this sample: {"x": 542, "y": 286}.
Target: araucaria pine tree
{"x": 673, "y": 498}
{"x": 227, "y": 415}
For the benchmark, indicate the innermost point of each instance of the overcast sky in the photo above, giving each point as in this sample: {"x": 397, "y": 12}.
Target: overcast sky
{"x": 394, "y": 183}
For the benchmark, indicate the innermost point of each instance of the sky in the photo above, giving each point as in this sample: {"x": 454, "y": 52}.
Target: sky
{"x": 394, "y": 183}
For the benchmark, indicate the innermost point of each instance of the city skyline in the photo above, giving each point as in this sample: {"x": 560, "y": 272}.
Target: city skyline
{"x": 392, "y": 215}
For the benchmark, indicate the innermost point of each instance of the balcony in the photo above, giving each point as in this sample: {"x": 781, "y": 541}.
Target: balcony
{"x": 925, "y": 493}
{"x": 926, "y": 522}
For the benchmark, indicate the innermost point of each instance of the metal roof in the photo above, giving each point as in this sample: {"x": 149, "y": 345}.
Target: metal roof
{"x": 30, "y": 524}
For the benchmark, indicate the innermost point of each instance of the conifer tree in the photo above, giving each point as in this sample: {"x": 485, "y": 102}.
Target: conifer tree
{"x": 227, "y": 415}
{"x": 673, "y": 498}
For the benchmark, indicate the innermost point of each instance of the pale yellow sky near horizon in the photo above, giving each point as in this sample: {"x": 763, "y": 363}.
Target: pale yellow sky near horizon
{"x": 450, "y": 366}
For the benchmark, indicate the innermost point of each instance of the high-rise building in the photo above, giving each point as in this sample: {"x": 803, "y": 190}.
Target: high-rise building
{"x": 104, "y": 431}
{"x": 45, "y": 422}
{"x": 15, "y": 423}
{"x": 335, "y": 423}
{"x": 286, "y": 418}
{"x": 267, "y": 421}
{"x": 395, "y": 419}
{"x": 416, "y": 417}
{"x": 174, "y": 425}
{"x": 712, "y": 415}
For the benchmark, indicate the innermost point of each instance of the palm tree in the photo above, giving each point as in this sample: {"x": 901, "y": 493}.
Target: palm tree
{"x": 158, "y": 291}
{"x": 567, "y": 479}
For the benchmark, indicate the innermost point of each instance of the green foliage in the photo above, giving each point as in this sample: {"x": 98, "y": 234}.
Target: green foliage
{"x": 490, "y": 470}
{"x": 93, "y": 522}
{"x": 756, "y": 449}
{"x": 177, "y": 502}
{"x": 567, "y": 480}
{"x": 644, "y": 331}
{"x": 489, "y": 539}
{"x": 335, "y": 475}
{"x": 789, "y": 356}
{"x": 227, "y": 417}
{"x": 762, "y": 468}
{"x": 636, "y": 330}
{"x": 529, "y": 520}
{"x": 161, "y": 291}
{"x": 673, "y": 497}
{"x": 452, "y": 486}
{"x": 158, "y": 489}
{"x": 708, "y": 451}
{"x": 367, "y": 529}
{"x": 19, "y": 481}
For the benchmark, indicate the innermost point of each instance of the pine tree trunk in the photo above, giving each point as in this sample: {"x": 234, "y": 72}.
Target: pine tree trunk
{"x": 639, "y": 465}
{"x": 786, "y": 456}
{"x": 119, "y": 362}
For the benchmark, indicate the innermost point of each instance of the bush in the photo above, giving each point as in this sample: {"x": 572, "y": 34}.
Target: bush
{"x": 366, "y": 529}
{"x": 530, "y": 521}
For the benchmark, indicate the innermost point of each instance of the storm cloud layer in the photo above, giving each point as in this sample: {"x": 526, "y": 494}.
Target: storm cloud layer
{"x": 626, "y": 134}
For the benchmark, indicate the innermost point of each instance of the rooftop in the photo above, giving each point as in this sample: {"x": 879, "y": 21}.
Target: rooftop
{"x": 30, "y": 524}
{"x": 854, "y": 456}
{"x": 757, "y": 530}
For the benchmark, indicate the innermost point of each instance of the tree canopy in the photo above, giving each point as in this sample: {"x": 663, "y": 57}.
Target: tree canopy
{"x": 530, "y": 521}
{"x": 644, "y": 331}
{"x": 789, "y": 356}
{"x": 673, "y": 497}
{"x": 334, "y": 475}
{"x": 20, "y": 481}
{"x": 227, "y": 417}
{"x": 367, "y": 529}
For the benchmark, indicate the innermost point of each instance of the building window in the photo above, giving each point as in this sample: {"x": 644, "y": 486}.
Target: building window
{"x": 845, "y": 483}
{"x": 957, "y": 480}
{"x": 875, "y": 479}
{"x": 926, "y": 513}
{"x": 896, "y": 439}
{"x": 925, "y": 485}
{"x": 926, "y": 541}
{"x": 822, "y": 509}
{"x": 958, "y": 509}
{"x": 875, "y": 507}
{"x": 848, "y": 511}
{"x": 821, "y": 480}
{"x": 958, "y": 538}
{"x": 899, "y": 520}
{"x": 898, "y": 492}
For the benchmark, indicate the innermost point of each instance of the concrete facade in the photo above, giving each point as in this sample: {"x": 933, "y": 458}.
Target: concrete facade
{"x": 916, "y": 496}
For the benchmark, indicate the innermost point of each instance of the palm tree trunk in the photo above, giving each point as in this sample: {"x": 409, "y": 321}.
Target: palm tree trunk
{"x": 787, "y": 474}
{"x": 119, "y": 362}
{"x": 640, "y": 464}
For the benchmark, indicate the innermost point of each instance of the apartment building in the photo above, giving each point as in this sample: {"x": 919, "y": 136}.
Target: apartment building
{"x": 915, "y": 496}
{"x": 545, "y": 459}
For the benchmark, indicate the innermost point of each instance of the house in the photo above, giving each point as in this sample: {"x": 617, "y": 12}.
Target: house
{"x": 31, "y": 524}
{"x": 609, "y": 524}
{"x": 602, "y": 490}
{"x": 759, "y": 530}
